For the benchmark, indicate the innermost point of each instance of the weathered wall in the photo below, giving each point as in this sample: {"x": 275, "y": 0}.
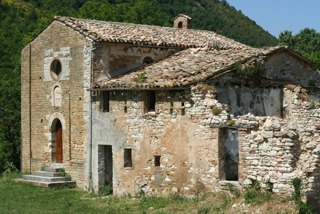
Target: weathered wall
{"x": 114, "y": 60}
{"x": 272, "y": 150}
{"x": 166, "y": 133}
{"x": 288, "y": 68}
{"x": 52, "y": 98}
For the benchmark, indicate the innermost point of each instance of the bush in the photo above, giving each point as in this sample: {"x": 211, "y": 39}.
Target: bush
{"x": 254, "y": 195}
{"x": 303, "y": 207}
{"x": 216, "y": 111}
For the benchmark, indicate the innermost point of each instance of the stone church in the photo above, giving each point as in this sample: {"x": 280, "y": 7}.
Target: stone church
{"x": 161, "y": 110}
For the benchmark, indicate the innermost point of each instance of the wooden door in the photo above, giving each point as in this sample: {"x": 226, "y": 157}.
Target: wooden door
{"x": 58, "y": 138}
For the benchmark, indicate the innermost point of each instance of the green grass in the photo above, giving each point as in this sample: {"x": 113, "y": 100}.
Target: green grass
{"x": 23, "y": 198}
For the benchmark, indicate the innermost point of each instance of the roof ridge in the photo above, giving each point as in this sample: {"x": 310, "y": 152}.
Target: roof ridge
{"x": 142, "y": 34}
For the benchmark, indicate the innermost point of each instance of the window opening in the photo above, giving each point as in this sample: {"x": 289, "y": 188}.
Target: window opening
{"x": 105, "y": 101}
{"x": 127, "y": 157}
{"x": 147, "y": 60}
{"x": 228, "y": 154}
{"x": 171, "y": 107}
{"x": 183, "y": 111}
{"x": 125, "y": 109}
{"x": 157, "y": 160}
{"x": 180, "y": 25}
{"x": 151, "y": 101}
{"x": 56, "y": 68}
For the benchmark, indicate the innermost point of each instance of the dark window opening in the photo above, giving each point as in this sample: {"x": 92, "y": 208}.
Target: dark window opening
{"x": 147, "y": 60}
{"x": 228, "y": 154}
{"x": 183, "y": 110}
{"x": 157, "y": 160}
{"x": 56, "y": 68}
{"x": 151, "y": 101}
{"x": 127, "y": 157}
{"x": 180, "y": 25}
{"x": 125, "y": 107}
{"x": 105, "y": 101}
{"x": 171, "y": 107}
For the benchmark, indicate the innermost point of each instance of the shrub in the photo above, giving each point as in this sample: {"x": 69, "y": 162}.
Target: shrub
{"x": 231, "y": 122}
{"x": 216, "y": 111}
{"x": 203, "y": 210}
{"x": 141, "y": 77}
{"x": 303, "y": 207}
{"x": 254, "y": 195}
{"x": 106, "y": 190}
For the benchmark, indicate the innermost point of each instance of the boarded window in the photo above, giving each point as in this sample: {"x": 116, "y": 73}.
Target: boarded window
{"x": 105, "y": 101}
{"x": 127, "y": 157}
{"x": 228, "y": 154}
{"x": 150, "y": 102}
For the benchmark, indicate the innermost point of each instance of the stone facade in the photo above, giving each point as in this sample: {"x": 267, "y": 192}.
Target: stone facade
{"x": 158, "y": 120}
{"x": 45, "y": 99}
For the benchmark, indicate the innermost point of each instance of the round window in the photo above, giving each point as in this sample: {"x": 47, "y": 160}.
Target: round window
{"x": 55, "y": 69}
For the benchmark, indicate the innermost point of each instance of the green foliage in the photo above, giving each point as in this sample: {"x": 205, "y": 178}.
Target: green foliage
{"x": 23, "y": 198}
{"x": 254, "y": 194}
{"x": 231, "y": 122}
{"x": 141, "y": 77}
{"x": 63, "y": 173}
{"x": 306, "y": 43}
{"x": 106, "y": 190}
{"x": 203, "y": 210}
{"x": 216, "y": 111}
{"x": 249, "y": 71}
{"x": 312, "y": 105}
{"x": 303, "y": 207}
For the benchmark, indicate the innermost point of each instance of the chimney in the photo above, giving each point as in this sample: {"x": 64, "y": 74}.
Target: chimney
{"x": 182, "y": 21}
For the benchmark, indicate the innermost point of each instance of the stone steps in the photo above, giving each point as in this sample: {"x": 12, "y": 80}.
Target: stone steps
{"x": 50, "y": 177}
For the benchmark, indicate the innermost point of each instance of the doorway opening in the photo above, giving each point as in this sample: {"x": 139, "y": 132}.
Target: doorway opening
{"x": 228, "y": 154}
{"x": 57, "y": 154}
{"x": 105, "y": 170}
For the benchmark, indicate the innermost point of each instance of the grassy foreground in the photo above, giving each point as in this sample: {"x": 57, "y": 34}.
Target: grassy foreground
{"x": 22, "y": 198}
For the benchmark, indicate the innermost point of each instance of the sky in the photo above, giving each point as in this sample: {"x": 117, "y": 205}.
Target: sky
{"x": 276, "y": 16}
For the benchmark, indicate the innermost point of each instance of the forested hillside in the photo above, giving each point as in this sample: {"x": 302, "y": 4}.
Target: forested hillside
{"x": 22, "y": 20}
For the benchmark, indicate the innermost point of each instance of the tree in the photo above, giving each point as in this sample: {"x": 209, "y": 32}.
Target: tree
{"x": 306, "y": 43}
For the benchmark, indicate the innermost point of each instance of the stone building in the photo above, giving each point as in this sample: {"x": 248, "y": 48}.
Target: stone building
{"x": 159, "y": 110}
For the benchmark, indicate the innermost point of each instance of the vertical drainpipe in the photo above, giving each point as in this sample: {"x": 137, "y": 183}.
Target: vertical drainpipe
{"x": 30, "y": 138}
{"x": 90, "y": 124}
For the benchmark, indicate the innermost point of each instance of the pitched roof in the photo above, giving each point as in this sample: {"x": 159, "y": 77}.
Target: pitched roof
{"x": 137, "y": 34}
{"x": 186, "y": 67}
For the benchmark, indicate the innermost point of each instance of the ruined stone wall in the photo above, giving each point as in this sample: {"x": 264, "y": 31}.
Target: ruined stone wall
{"x": 114, "y": 60}
{"x": 272, "y": 150}
{"x": 54, "y": 97}
{"x": 187, "y": 149}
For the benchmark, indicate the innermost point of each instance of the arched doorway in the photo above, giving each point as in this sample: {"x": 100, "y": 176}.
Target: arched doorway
{"x": 57, "y": 137}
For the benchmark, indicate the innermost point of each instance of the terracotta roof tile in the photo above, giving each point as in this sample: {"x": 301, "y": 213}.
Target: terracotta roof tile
{"x": 114, "y": 32}
{"x": 186, "y": 67}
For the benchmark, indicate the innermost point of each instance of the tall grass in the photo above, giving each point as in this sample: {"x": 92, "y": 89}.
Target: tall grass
{"x": 23, "y": 198}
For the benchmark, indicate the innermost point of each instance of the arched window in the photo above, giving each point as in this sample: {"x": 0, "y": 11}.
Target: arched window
{"x": 57, "y": 97}
{"x": 180, "y": 25}
{"x": 147, "y": 60}
{"x": 56, "y": 68}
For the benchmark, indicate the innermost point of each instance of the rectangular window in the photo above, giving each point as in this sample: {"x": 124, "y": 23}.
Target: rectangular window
{"x": 157, "y": 160}
{"x": 183, "y": 110}
{"x": 105, "y": 101}
{"x": 127, "y": 158}
{"x": 150, "y": 102}
{"x": 125, "y": 108}
{"x": 228, "y": 154}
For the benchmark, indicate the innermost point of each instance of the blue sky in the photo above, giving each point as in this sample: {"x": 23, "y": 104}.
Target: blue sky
{"x": 276, "y": 16}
